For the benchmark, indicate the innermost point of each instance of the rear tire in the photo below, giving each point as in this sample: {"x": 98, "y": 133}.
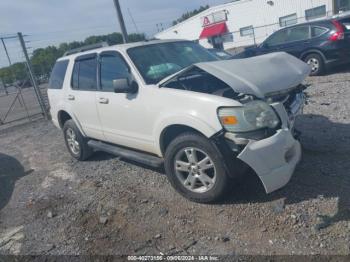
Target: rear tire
{"x": 195, "y": 168}
{"x": 76, "y": 143}
{"x": 317, "y": 64}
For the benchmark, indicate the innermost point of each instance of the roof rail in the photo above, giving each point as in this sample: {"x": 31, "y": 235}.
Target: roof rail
{"x": 85, "y": 48}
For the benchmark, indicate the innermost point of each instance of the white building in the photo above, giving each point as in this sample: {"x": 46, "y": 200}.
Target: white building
{"x": 245, "y": 22}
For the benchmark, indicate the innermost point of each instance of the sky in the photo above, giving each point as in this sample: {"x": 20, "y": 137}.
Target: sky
{"x": 50, "y": 22}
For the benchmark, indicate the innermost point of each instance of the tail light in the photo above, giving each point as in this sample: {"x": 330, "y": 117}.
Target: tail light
{"x": 339, "y": 34}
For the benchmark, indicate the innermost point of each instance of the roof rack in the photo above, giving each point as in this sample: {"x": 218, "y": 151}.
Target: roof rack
{"x": 85, "y": 48}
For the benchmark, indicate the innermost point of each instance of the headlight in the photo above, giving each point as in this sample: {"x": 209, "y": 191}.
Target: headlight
{"x": 252, "y": 116}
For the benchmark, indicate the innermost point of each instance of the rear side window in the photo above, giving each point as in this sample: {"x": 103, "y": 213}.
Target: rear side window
{"x": 84, "y": 74}
{"x": 317, "y": 31}
{"x": 298, "y": 33}
{"x": 58, "y": 74}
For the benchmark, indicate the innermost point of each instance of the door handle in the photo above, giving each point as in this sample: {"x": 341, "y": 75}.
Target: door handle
{"x": 71, "y": 97}
{"x": 103, "y": 100}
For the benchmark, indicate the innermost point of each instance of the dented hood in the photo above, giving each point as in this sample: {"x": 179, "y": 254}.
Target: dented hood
{"x": 260, "y": 76}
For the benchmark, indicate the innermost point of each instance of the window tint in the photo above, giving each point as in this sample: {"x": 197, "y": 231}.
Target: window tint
{"x": 84, "y": 74}
{"x": 298, "y": 33}
{"x": 75, "y": 77}
{"x": 277, "y": 38}
{"x": 316, "y": 12}
{"x": 317, "y": 31}
{"x": 87, "y": 74}
{"x": 112, "y": 67}
{"x": 58, "y": 74}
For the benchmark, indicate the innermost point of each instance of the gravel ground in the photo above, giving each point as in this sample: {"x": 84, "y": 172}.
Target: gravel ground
{"x": 52, "y": 204}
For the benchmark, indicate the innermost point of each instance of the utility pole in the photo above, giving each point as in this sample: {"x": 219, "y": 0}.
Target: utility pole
{"x": 32, "y": 78}
{"x": 9, "y": 60}
{"x": 121, "y": 20}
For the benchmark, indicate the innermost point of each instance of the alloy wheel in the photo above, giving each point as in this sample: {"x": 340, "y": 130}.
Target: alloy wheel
{"x": 72, "y": 141}
{"x": 195, "y": 169}
{"x": 314, "y": 63}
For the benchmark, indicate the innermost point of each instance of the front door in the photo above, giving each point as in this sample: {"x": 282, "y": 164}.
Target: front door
{"x": 122, "y": 115}
{"x": 274, "y": 43}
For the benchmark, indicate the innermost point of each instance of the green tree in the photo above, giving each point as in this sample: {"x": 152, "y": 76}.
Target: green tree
{"x": 189, "y": 14}
{"x": 43, "y": 59}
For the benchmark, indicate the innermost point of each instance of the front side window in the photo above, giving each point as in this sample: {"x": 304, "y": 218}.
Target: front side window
{"x": 58, "y": 75}
{"x": 84, "y": 74}
{"x": 113, "y": 67}
{"x": 277, "y": 38}
{"x": 158, "y": 61}
{"x": 298, "y": 33}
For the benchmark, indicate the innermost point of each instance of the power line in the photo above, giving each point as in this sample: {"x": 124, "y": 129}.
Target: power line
{"x": 132, "y": 19}
{"x": 151, "y": 22}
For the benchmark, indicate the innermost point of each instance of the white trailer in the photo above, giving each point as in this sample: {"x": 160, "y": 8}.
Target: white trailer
{"x": 247, "y": 22}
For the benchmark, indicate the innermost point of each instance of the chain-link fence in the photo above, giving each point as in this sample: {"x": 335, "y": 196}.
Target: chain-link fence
{"x": 22, "y": 97}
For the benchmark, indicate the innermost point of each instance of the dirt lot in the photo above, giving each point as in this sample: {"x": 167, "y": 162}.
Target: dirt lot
{"x": 52, "y": 204}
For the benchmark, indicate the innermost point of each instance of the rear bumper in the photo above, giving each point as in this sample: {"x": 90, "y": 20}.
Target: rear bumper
{"x": 273, "y": 159}
{"x": 338, "y": 56}
{"x": 337, "y": 62}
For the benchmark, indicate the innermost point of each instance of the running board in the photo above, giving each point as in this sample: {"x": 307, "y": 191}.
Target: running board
{"x": 136, "y": 156}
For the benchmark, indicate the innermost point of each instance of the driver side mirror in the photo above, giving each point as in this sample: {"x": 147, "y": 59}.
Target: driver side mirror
{"x": 123, "y": 85}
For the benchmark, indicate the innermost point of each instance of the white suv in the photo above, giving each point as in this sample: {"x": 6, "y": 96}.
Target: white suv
{"x": 174, "y": 103}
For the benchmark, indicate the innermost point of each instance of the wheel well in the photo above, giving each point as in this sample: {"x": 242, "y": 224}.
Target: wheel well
{"x": 173, "y": 131}
{"x": 310, "y": 53}
{"x": 63, "y": 116}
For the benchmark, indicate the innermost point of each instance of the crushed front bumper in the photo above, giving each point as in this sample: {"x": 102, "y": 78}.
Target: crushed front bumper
{"x": 273, "y": 159}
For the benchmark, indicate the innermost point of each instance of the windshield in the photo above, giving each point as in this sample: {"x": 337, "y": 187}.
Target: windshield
{"x": 158, "y": 61}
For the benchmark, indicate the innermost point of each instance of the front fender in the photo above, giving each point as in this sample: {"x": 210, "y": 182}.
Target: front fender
{"x": 196, "y": 123}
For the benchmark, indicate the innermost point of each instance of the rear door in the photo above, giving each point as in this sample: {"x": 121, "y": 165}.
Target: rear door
{"x": 81, "y": 95}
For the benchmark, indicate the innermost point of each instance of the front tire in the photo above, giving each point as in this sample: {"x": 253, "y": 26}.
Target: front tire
{"x": 195, "y": 168}
{"x": 316, "y": 63}
{"x": 76, "y": 143}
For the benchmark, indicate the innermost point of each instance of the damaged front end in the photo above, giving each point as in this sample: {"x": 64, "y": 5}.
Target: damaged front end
{"x": 261, "y": 132}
